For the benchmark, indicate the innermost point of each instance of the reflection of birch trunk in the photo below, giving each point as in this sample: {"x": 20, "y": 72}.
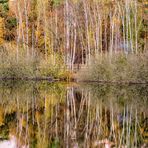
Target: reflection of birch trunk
{"x": 45, "y": 116}
{"x": 73, "y": 108}
{"x": 67, "y": 120}
{"x": 56, "y": 122}
{"x": 135, "y": 133}
{"x": 98, "y": 120}
{"x": 130, "y": 123}
{"x": 126, "y": 123}
{"x": 112, "y": 131}
{"x": 123, "y": 129}
{"x": 73, "y": 128}
{"x": 27, "y": 122}
{"x": 83, "y": 100}
{"x": 33, "y": 108}
{"x": 87, "y": 121}
{"x": 19, "y": 126}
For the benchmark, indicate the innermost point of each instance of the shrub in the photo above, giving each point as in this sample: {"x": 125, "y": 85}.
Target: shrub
{"x": 119, "y": 67}
{"x": 32, "y": 67}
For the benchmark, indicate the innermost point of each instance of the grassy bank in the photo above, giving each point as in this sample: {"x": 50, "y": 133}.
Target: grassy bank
{"x": 118, "y": 68}
{"x": 33, "y": 67}
{"x": 103, "y": 68}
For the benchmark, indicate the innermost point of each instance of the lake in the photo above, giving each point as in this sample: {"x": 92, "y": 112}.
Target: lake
{"x": 72, "y": 115}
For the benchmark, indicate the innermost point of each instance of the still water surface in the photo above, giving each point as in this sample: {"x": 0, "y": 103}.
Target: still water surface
{"x": 56, "y": 115}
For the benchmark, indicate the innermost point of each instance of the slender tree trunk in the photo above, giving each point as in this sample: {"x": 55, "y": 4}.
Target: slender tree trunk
{"x": 127, "y": 30}
{"x": 74, "y": 45}
{"x": 38, "y": 21}
{"x": 136, "y": 32}
{"x": 87, "y": 32}
{"x": 67, "y": 33}
{"x": 45, "y": 28}
{"x": 27, "y": 27}
{"x": 33, "y": 52}
{"x": 98, "y": 31}
{"x": 130, "y": 32}
{"x": 111, "y": 34}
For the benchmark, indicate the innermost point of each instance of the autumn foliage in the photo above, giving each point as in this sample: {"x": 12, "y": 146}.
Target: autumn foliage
{"x": 73, "y": 31}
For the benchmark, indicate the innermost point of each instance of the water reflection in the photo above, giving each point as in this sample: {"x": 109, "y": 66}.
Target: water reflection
{"x": 43, "y": 115}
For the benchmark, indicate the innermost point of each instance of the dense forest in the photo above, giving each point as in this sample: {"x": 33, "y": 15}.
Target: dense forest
{"x": 58, "y": 38}
{"x": 73, "y": 73}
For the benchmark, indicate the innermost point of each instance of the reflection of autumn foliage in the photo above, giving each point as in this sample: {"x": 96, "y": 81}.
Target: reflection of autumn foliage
{"x": 1, "y": 115}
{"x": 59, "y": 115}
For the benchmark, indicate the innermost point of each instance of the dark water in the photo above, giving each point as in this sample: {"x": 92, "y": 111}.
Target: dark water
{"x": 45, "y": 115}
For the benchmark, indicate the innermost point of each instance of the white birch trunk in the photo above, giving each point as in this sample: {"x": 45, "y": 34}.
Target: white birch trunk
{"x": 27, "y": 27}
{"x": 87, "y": 32}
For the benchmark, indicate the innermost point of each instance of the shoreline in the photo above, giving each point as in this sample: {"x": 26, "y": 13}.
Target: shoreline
{"x": 28, "y": 79}
{"x": 114, "y": 82}
{"x": 50, "y": 79}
